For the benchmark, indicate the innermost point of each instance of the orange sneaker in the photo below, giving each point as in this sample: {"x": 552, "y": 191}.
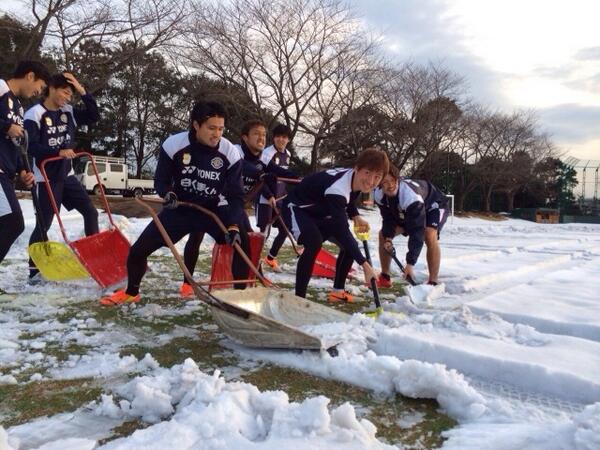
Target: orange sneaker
{"x": 119, "y": 297}
{"x": 186, "y": 290}
{"x": 272, "y": 263}
{"x": 339, "y": 296}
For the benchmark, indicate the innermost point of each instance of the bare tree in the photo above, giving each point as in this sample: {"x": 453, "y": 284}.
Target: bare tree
{"x": 501, "y": 137}
{"x": 300, "y": 59}
{"x": 520, "y": 168}
{"x": 66, "y": 24}
{"x": 425, "y": 104}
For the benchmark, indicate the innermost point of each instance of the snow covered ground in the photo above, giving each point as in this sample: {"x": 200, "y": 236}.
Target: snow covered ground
{"x": 511, "y": 350}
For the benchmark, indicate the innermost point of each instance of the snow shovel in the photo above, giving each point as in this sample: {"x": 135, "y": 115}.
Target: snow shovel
{"x": 55, "y": 260}
{"x": 221, "y": 276}
{"x": 258, "y": 317}
{"x": 104, "y": 254}
{"x": 364, "y": 237}
{"x": 417, "y": 293}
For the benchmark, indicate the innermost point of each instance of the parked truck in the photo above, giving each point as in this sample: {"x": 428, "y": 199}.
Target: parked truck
{"x": 114, "y": 177}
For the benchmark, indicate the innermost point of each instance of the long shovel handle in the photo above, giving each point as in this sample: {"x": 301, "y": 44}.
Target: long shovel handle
{"x": 53, "y": 200}
{"x": 376, "y": 294}
{"x": 374, "y": 287}
{"x": 200, "y": 293}
{"x": 289, "y": 180}
{"x": 286, "y": 229}
{"x": 293, "y": 241}
{"x": 23, "y": 145}
{"x": 236, "y": 246}
{"x": 392, "y": 253}
{"x": 220, "y": 224}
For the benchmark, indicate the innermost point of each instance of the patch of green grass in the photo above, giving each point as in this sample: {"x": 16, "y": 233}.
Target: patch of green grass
{"x": 286, "y": 255}
{"x": 124, "y": 430}
{"x": 159, "y": 324}
{"x": 62, "y": 351}
{"x": 24, "y": 402}
{"x": 203, "y": 266}
{"x": 383, "y": 412}
{"x": 427, "y": 433}
{"x": 25, "y": 336}
{"x": 205, "y": 350}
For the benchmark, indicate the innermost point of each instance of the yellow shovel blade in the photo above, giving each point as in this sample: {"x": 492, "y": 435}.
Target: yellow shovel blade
{"x": 56, "y": 261}
{"x": 362, "y": 235}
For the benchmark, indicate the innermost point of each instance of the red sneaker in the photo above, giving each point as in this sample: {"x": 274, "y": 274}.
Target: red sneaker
{"x": 119, "y": 297}
{"x": 384, "y": 281}
{"x": 339, "y": 296}
{"x": 186, "y": 290}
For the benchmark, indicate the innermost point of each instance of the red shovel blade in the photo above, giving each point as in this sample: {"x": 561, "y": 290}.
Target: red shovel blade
{"x": 222, "y": 256}
{"x": 325, "y": 265}
{"x": 104, "y": 255}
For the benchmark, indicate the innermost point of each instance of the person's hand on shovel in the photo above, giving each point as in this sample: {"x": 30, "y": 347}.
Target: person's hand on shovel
{"x": 273, "y": 203}
{"x": 409, "y": 272}
{"x": 233, "y": 236}
{"x": 170, "y": 200}
{"x": 361, "y": 226}
{"x": 27, "y": 178}
{"x": 363, "y": 236}
{"x": 388, "y": 245}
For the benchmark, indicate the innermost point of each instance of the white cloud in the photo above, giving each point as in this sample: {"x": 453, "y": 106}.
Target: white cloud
{"x": 538, "y": 54}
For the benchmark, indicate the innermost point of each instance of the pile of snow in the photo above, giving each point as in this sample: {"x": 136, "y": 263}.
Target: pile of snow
{"x": 204, "y": 411}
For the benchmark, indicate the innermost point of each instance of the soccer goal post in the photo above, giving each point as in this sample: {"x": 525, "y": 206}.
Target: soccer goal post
{"x": 451, "y": 197}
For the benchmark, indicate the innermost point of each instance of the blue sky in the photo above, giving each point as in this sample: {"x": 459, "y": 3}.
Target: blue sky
{"x": 527, "y": 54}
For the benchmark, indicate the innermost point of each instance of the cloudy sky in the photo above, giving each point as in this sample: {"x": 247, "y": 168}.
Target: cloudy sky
{"x": 531, "y": 54}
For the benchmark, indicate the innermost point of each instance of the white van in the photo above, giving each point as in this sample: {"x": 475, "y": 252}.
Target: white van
{"x": 113, "y": 175}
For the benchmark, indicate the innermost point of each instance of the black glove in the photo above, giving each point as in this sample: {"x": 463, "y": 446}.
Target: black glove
{"x": 233, "y": 236}
{"x": 170, "y": 200}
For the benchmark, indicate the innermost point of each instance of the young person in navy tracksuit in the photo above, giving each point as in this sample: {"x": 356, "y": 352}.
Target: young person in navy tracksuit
{"x": 319, "y": 209}
{"x": 255, "y": 168}
{"x": 51, "y": 125}
{"x": 28, "y": 80}
{"x": 413, "y": 208}
{"x": 198, "y": 166}
{"x": 259, "y": 165}
{"x": 280, "y": 156}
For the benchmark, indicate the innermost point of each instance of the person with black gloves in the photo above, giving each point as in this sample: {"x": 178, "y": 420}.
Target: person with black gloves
{"x": 319, "y": 209}
{"x": 259, "y": 168}
{"x": 28, "y": 80}
{"x": 413, "y": 208}
{"x": 201, "y": 167}
{"x": 51, "y": 126}
{"x": 256, "y": 173}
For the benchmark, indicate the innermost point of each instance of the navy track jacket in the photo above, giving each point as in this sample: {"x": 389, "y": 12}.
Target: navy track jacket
{"x": 408, "y": 209}
{"x": 11, "y": 112}
{"x": 52, "y": 131}
{"x": 255, "y": 165}
{"x": 328, "y": 195}
{"x": 208, "y": 176}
